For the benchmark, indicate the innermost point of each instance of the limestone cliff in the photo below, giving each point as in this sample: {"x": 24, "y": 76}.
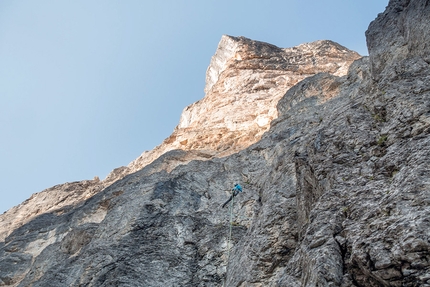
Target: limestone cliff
{"x": 337, "y": 189}
{"x": 245, "y": 81}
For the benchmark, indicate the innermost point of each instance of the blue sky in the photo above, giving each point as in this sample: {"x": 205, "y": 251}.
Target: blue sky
{"x": 87, "y": 86}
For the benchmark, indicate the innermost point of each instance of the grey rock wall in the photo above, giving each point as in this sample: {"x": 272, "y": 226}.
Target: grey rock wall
{"x": 336, "y": 193}
{"x": 400, "y": 33}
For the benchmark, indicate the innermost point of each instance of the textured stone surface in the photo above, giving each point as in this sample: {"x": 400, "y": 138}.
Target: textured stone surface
{"x": 400, "y": 33}
{"x": 244, "y": 83}
{"x": 336, "y": 193}
{"x": 245, "y": 80}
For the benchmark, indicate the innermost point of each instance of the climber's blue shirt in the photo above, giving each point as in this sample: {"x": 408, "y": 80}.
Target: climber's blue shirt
{"x": 237, "y": 187}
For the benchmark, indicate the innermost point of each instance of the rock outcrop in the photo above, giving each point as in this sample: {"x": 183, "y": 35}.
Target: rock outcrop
{"x": 245, "y": 81}
{"x": 400, "y": 33}
{"x": 336, "y": 189}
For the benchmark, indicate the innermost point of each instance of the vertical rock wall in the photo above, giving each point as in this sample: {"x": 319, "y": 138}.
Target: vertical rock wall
{"x": 336, "y": 191}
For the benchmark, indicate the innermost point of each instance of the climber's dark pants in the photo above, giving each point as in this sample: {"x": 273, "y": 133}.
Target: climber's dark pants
{"x": 231, "y": 197}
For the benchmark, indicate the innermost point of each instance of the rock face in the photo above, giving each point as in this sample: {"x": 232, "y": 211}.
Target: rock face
{"x": 400, "y": 33}
{"x": 244, "y": 82}
{"x": 336, "y": 191}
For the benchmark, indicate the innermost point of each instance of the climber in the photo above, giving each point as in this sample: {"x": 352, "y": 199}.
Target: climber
{"x": 236, "y": 189}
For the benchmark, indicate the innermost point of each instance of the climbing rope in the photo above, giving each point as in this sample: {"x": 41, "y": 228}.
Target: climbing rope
{"x": 229, "y": 237}
{"x": 231, "y": 224}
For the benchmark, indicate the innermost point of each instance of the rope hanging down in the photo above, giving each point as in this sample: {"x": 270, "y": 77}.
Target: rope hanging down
{"x": 229, "y": 238}
{"x": 231, "y": 224}
{"x": 236, "y": 190}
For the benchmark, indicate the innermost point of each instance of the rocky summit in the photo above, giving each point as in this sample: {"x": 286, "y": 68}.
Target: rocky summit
{"x": 332, "y": 151}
